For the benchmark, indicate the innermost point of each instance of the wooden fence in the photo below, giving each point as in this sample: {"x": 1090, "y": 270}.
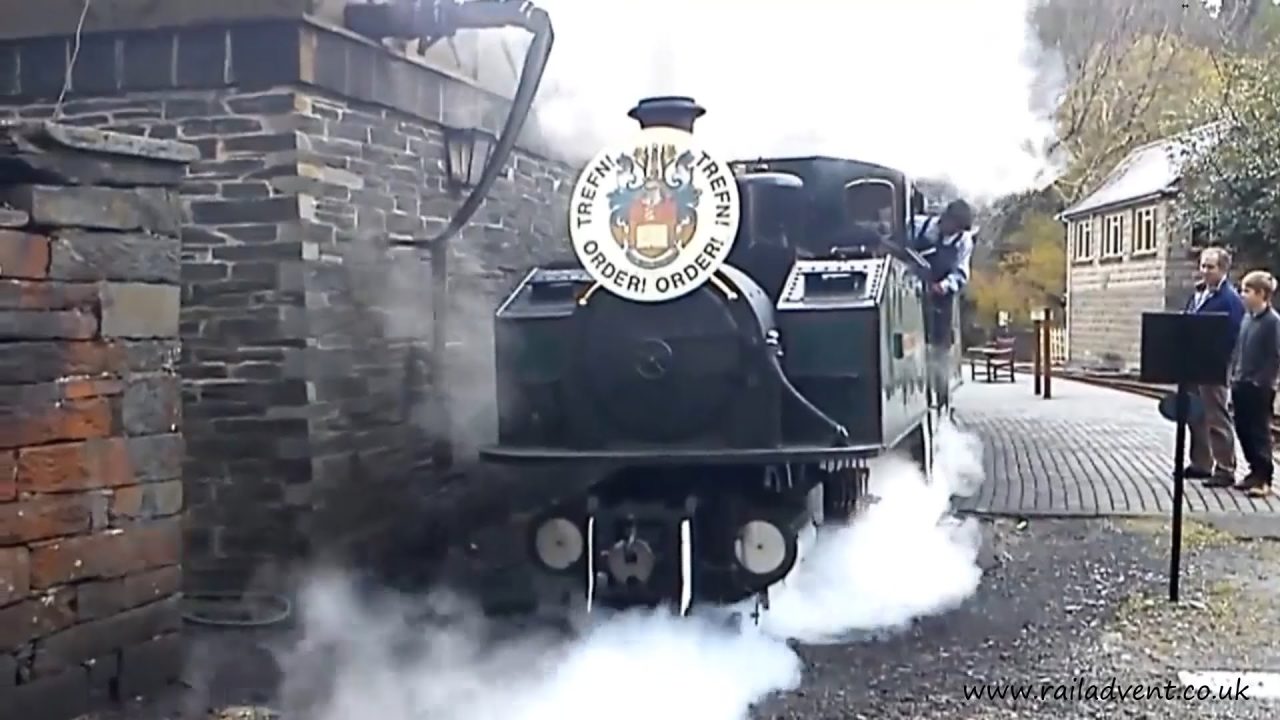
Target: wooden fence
{"x": 1058, "y": 344}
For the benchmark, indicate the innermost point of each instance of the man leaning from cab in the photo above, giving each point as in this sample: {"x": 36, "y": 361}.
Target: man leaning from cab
{"x": 946, "y": 242}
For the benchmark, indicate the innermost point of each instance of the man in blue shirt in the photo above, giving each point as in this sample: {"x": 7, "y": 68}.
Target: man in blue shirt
{"x": 946, "y": 242}
{"x": 1213, "y": 447}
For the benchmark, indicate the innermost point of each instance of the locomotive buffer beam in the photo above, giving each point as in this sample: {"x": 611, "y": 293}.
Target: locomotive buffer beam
{"x": 630, "y": 554}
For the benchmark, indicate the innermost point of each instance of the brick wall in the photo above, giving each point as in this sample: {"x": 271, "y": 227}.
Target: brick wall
{"x": 305, "y": 357}
{"x": 90, "y": 438}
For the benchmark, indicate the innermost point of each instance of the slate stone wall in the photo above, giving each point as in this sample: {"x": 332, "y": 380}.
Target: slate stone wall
{"x": 305, "y": 362}
{"x": 91, "y": 447}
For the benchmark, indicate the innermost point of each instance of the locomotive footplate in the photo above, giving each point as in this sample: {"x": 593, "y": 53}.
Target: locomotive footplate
{"x": 680, "y": 456}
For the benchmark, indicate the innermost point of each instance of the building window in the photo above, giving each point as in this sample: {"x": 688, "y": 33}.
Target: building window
{"x": 1201, "y": 235}
{"x": 1144, "y": 230}
{"x": 1113, "y": 236}
{"x": 1082, "y": 239}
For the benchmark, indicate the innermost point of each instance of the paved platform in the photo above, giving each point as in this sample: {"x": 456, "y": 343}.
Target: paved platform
{"x": 1087, "y": 451}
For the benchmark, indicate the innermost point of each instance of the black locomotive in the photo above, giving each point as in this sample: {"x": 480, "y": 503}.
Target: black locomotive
{"x": 700, "y": 441}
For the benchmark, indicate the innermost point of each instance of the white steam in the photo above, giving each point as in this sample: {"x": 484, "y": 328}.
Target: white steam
{"x": 905, "y": 558}
{"x": 902, "y": 83}
{"x": 384, "y": 658}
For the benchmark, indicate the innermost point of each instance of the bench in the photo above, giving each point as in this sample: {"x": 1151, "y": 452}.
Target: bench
{"x": 996, "y": 357}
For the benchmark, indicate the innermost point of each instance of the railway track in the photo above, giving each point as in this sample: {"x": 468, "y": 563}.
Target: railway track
{"x": 1136, "y": 387}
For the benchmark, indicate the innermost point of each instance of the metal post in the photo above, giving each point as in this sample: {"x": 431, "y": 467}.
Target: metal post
{"x": 1046, "y": 358}
{"x": 1035, "y": 341}
{"x": 1179, "y": 448}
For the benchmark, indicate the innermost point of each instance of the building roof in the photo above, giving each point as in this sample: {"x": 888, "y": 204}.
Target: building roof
{"x": 1148, "y": 171}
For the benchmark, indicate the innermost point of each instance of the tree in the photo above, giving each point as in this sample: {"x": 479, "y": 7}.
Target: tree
{"x": 1115, "y": 74}
{"x": 1000, "y": 221}
{"x": 1151, "y": 89}
{"x": 1231, "y": 187}
{"x": 937, "y": 192}
{"x": 1030, "y": 271}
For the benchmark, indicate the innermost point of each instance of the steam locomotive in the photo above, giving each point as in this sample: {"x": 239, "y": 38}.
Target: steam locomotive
{"x": 709, "y": 379}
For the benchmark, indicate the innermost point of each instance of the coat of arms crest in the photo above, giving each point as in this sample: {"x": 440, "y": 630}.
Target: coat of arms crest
{"x": 654, "y": 210}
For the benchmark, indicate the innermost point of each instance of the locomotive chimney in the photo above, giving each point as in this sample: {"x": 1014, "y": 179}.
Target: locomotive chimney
{"x": 667, "y": 111}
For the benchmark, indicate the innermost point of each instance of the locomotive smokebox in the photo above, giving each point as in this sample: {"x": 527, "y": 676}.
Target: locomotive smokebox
{"x": 667, "y": 111}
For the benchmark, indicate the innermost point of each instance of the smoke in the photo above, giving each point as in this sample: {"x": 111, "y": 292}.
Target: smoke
{"x": 366, "y": 655}
{"x": 392, "y": 289}
{"x": 892, "y": 82}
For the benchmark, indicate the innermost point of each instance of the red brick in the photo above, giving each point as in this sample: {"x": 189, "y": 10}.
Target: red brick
{"x": 44, "y": 517}
{"x": 78, "y": 388}
{"x": 23, "y": 255}
{"x": 96, "y": 600}
{"x": 62, "y": 420}
{"x": 109, "y": 554}
{"x": 27, "y": 295}
{"x": 75, "y": 466}
{"x": 15, "y": 574}
{"x": 36, "y": 618}
{"x": 8, "y": 475}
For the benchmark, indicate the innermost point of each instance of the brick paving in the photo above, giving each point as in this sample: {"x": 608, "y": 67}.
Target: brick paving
{"x": 1087, "y": 451}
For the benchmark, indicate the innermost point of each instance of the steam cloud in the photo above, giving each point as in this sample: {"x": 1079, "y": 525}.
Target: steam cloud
{"x": 366, "y": 657}
{"x": 374, "y": 656}
{"x": 886, "y": 82}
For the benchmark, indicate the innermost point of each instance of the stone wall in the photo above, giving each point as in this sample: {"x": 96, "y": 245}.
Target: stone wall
{"x": 1182, "y": 261}
{"x": 1107, "y": 296}
{"x": 91, "y": 444}
{"x": 305, "y": 357}
{"x": 370, "y": 176}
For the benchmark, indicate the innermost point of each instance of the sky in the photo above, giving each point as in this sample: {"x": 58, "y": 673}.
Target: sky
{"x": 938, "y": 88}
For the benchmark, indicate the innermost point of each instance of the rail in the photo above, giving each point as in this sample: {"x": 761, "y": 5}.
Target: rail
{"x": 1136, "y": 387}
